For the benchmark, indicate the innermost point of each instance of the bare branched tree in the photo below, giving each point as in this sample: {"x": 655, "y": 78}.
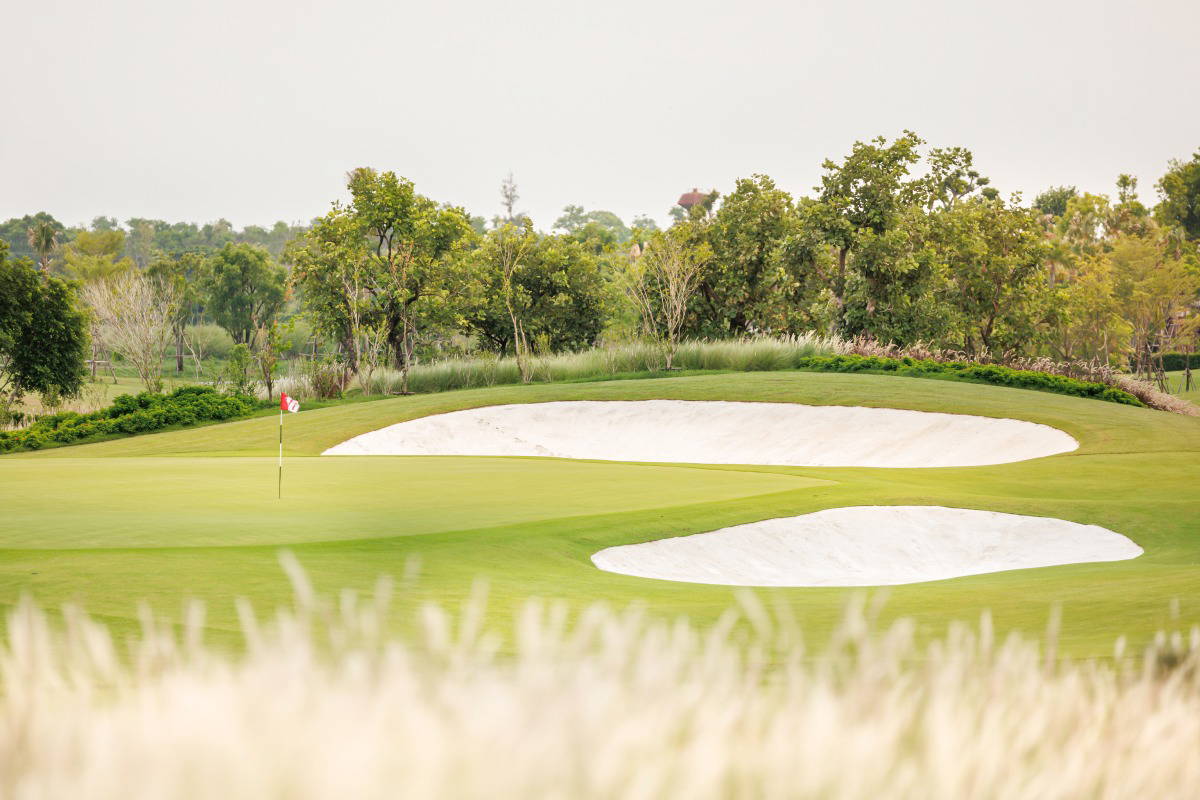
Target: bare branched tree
{"x": 368, "y": 337}
{"x": 509, "y": 197}
{"x": 510, "y": 244}
{"x": 661, "y": 282}
{"x": 135, "y": 316}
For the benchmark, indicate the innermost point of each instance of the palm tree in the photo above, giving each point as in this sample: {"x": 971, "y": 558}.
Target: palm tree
{"x": 43, "y": 239}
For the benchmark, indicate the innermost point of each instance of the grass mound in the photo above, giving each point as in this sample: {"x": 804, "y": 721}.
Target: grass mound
{"x": 192, "y": 513}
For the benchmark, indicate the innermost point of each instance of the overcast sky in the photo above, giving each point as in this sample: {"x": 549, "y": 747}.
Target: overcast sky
{"x": 254, "y": 111}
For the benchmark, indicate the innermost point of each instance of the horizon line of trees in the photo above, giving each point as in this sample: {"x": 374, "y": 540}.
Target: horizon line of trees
{"x": 897, "y": 243}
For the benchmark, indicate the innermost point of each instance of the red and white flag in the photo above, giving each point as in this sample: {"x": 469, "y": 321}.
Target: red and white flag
{"x": 288, "y": 403}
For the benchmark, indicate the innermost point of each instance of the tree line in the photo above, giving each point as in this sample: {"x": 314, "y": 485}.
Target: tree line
{"x": 897, "y": 243}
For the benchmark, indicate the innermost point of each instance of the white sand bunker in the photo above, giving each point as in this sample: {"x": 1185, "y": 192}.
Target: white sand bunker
{"x": 718, "y": 432}
{"x": 868, "y": 546}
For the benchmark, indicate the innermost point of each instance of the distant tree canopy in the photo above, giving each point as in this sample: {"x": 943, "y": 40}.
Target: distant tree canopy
{"x": 1053, "y": 201}
{"x": 138, "y": 242}
{"x": 43, "y": 333}
{"x": 899, "y": 242}
{"x": 15, "y": 232}
{"x": 1180, "y": 190}
{"x": 244, "y": 289}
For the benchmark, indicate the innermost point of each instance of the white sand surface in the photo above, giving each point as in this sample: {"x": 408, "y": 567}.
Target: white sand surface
{"x": 718, "y": 432}
{"x": 868, "y": 546}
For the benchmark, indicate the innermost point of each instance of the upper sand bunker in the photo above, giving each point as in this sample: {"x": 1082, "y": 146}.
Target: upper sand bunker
{"x": 868, "y": 546}
{"x": 718, "y": 432}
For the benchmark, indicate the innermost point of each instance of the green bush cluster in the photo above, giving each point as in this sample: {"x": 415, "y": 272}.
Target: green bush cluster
{"x": 1173, "y": 362}
{"x": 970, "y": 371}
{"x": 130, "y": 414}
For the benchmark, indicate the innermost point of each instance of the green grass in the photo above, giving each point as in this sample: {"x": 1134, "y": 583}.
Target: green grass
{"x": 193, "y": 513}
{"x": 1176, "y": 384}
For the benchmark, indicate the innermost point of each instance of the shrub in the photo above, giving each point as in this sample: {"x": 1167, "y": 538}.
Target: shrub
{"x": 130, "y": 414}
{"x": 324, "y": 378}
{"x": 1174, "y": 362}
{"x": 962, "y": 370}
{"x": 239, "y": 372}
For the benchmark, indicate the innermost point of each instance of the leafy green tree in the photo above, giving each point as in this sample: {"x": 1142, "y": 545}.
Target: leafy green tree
{"x": 747, "y": 286}
{"x": 554, "y": 286}
{"x": 43, "y": 334}
{"x": 1128, "y": 216}
{"x": 1053, "y": 201}
{"x": 1155, "y": 291}
{"x": 96, "y": 255}
{"x": 408, "y": 250}
{"x": 243, "y": 289}
{"x": 644, "y": 224}
{"x": 1084, "y": 223}
{"x": 993, "y": 256}
{"x": 593, "y": 225}
{"x": 1180, "y": 192}
{"x": 1089, "y": 326}
{"x": 861, "y": 213}
{"x": 952, "y": 177}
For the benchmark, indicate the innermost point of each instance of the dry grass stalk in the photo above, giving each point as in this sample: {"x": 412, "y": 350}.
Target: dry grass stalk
{"x": 325, "y": 704}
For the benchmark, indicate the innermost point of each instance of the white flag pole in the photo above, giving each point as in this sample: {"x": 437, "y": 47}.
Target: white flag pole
{"x": 279, "y": 487}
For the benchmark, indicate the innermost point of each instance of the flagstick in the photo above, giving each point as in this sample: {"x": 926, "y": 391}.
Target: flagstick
{"x": 279, "y": 490}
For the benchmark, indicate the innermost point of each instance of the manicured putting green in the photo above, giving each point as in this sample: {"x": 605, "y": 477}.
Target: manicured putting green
{"x": 192, "y": 513}
{"x": 206, "y": 502}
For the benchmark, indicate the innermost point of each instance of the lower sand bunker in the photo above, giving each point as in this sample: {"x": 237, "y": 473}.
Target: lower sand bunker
{"x": 868, "y": 546}
{"x": 718, "y": 432}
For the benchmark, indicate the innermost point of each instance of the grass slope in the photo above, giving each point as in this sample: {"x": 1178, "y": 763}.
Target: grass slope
{"x": 193, "y": 513}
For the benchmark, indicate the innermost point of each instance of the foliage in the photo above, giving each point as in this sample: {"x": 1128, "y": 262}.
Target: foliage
{"x": 15, "y": 232}
{"x": 1053, "y": 201}
{"x": 96, "y": 255}
{"x": 1180, "y": 190}
{"x": 43, "y": 334}
{"x": 748, "y": 286}
{"x": 993, "y": 255}
{"x": 131, "y": 414}
{"x": 556, "y": 289}
{"x": 600, "y": 229}
{"x": 969, "y": 371}
{"x": 860, "y": 213}
{"x": 324, "y": 378}
{"x": 243, "y": 289}
{"x": 43, "y": 240}
{"x": 406, "y": 250}
{"x": 1173, "y": 362}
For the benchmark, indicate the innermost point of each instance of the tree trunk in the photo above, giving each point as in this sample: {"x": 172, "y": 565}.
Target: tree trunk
{"x": 179, "y": 349}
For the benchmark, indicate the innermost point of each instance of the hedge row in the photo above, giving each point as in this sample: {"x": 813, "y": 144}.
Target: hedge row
{"x": 1173, "y": 362}
{"x": 966, "y": 370}
{"x": 130, "y": 414}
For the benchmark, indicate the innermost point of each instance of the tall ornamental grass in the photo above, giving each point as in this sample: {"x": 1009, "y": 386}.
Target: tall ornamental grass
{"x": 324, "y": 703}
{"x": 756, "y": 353}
